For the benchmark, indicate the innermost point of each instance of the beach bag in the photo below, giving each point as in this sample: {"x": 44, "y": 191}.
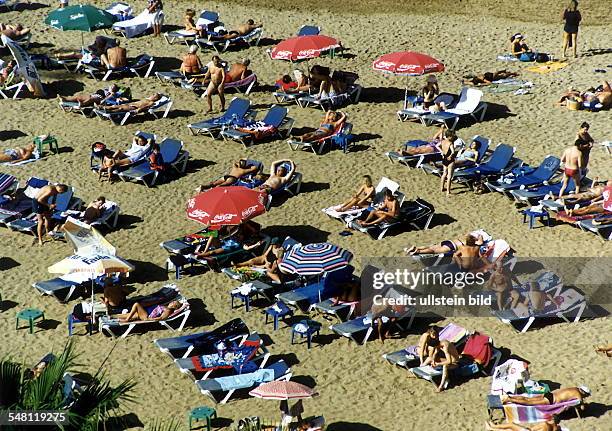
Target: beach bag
{"x": 479, "y": 349}
{"x": 542, "y": 58}
{"x": 527, "y": 56}
{"x": 343, "y": 141}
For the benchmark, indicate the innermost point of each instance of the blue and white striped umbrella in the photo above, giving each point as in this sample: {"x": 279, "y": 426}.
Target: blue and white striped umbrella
{"x": 313, "y": 259}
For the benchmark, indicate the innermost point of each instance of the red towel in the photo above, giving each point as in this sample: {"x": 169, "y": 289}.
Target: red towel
{"x": 479, "y": 349}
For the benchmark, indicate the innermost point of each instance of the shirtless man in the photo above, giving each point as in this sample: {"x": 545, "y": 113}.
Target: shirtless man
{"x": 467, "y": 256}
{"x": 388, "y": 211}
{"x": 86, "y": 99}
{"x": 14, "y": 31}
{"x": 248, "y": 27}
{"x": 138, "y": 106}
{"x": 279, "y": 176}
{"x": 554, "y": 397}
{"x": 238, "y": 170}
{"x": 550, "y": 425}
{"x": 16, "y": 155}
{"x": 238, "y": 71}
{"x": 500, "y": 284}
{"x": 114, "y": 57}
{"x": 114, "y": 296}
{"x": 43, "y": 207}
{"x": 572, "y": 160}
{"x": 216, "y": 73}
{"x": 191, "y": 64}
{"x": 604, "y": 96}
{"x": 488, "y": 77}
{"x": 602, "y": 204}
{"x": 445, "y": 355}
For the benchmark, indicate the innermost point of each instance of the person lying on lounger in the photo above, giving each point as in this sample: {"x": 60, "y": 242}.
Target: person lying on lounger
{"x": 554, "y": 397}
{"x": 272, "y": 253}
{"x": 157, "y": 312}
{"x": 430, "y": 147}
{"x": 550, "y": 425}
{"x": 443, "y": 354}
{"x": 362, "y": 198}
{"x": 469, "y": 155}
{"x": 599, "y": 205}
{"x": 91, "y": 213}
{"x": 488, "y": 78}
{"x": 243, "y": 30}
{"x": 238, "y": 71}
{"x": 16, "y": 155}
{"x": 449, "y": 245}
{"x": 87, "y": 99}
{"x": 387, "y": 212}
{"x": 331, "y": 122}
{"x": 136, "y": 106}
{"x": 14, "y": 31}
{"x": 530, "y": 302}
{"x": 279, "y": 176}
{"x": 239, "y": 170}
{"x": 138, "y": 150}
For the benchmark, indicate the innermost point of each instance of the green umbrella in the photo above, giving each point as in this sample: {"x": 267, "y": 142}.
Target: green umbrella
{"x": 80, "y": 17}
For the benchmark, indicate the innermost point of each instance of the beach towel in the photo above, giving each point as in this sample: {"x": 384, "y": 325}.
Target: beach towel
{"x": 478, "y": 347}
{"x": 507, "y": 57}
{"x": 550, "y": 66}
{"x": 230, "y": 359}
{"x": 6, "y": 181}
{"x": 241, "y": 381}
{"x": 258, "y": 130}
{"x": 533, "y": 414}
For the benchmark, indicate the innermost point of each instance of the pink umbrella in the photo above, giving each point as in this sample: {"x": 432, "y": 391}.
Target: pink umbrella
{"x": 283, "y": 390}
{"x": 304, "y": 47}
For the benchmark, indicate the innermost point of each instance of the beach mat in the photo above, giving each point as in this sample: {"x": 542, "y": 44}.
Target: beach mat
{"x": 548, "y": 67}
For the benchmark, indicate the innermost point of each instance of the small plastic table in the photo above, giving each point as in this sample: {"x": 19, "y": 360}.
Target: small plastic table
{"x": 282, "y": 313}
{"x": 543, "y": 216}
{"x": 51, "y": 141}
{"x": 30, "y": 315}
{"x": 201, "y": 413}
{"x": 311, "y": 326}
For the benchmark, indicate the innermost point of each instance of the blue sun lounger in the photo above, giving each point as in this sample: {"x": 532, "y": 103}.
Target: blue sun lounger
{"x": 250, "y": 39}
{"x": 531, "y": 177}
{"x": 276, "y": 123}
{"x": 237, "y": 111}
{"x": 203, "y": 342}
{"x": 604, "y": 231}
{"x": 360, "y": 329}
{"x": 20, "y": 203}
{"x": 431, "y": 165}
{"x": 536, "y": 194}
{"x": 221, "y": 389}
{"x": 309, "y": 30}
{"x": 63, "y": 201}
{"x": 172, "y": 154}
{"x": 500, "y": 162}
{"x": 160, "y": 109}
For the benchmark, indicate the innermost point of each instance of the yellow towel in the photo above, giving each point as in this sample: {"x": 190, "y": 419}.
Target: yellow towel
{"x": 549, "y": 66}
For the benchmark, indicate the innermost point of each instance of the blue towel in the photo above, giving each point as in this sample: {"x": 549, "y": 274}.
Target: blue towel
{"x": 241, "y": 381}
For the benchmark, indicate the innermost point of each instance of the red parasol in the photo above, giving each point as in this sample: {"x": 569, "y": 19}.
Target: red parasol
{"x": 223, "y": 206}
{"x": 407, "y": 63}
{"x": 303, "y": 47}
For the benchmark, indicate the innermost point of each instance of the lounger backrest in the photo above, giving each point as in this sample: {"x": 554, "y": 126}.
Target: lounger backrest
{"x": 547, "y": 168}
{"x": 62, "y": 201}
{"x": 6, "y": 182}
{"x": 400, "y": 198}
{"x": 255, "y": 163}
{"x": 469, "y": 99}
{"x": 501, "y": 157}
{"x": 279, "y": 368}
{"x": 238, "y": 107}
{"x": 309, "y": 30}
{"x": 209, "y": 16}
{"x": 289, "y": 243}
{"x": 170, "y": 149}
{"x": 484, "y": 146}
{"x": 386, "y": 183}
{"x": 275, "y": 116}
{"x": 446, "y": 98}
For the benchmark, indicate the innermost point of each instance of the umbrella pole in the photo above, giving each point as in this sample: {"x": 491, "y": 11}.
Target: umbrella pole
{"x": 93, "y": 313}
{"x": 406, "y": 95}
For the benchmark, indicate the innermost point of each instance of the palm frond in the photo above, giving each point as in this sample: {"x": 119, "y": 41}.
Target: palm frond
{"x": 11, "y": 379}
{"x": 164, "y": 425}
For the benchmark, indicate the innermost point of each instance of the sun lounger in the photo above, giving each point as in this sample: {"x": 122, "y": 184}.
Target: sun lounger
{"x": 20, "y": 204}
{"x": 63, "y": 288}
{"x": 517, "y": 413}
{"x": 417, "y": 111}
{"x": 173, "y": 156}
{"x": 85, "y": 111}
{"x": 430, "y": 165}
{"x": 566, "y": 302}
{"x": 135, "y": 26}
{"x": 341, "y": 310}
{"x": 451, "y": 332}
{"x": 250, "y": 39}
{"x": 8, "y": 186}
{"x": 602, "y": 230}
{"x": 162, "y": 106}
{"x": 206, "y": 19}
{"x": 274, "y": 124}
{"x": 531, "y": 177}
{"x": 318, "y": 145}
{"x": 221, "y": 389}
{"x": 12, "y": 86}
{"x": 500, "y": 162}
{"x": 237, "y": 110}
{"x": 204, "y": 342}
{"x": 242, "y": 85}
{"x": 140, "y": 66}
{"x": 360, "y": 329}
{"x": 309, "y": 30}
{"x": 115, "y": 328}
{"x": 332, "y": 100}
{"x": 202, "y": 366}
{"x": 536, "y": 194}
{"x": 469, "y": 104}
{"x": 418, "y": 214}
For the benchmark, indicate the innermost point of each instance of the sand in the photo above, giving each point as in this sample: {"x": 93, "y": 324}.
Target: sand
{"x": 359, "y": 391}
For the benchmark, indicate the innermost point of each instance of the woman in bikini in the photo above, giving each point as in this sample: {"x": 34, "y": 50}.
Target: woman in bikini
{"x": 16, "y": 155}
{"x": 430, "y": 147}
{"x": 331, "y": 122}
{"x": 153, "y": 312}
{"x": 449, "y": 156}
{"x": 468, "y": 156}
{"x": 362, "y": 198}
{"x": 488, "y": 78}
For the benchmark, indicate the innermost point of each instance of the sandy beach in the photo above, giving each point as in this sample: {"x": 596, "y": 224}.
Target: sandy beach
{"x": 358, "y": 390}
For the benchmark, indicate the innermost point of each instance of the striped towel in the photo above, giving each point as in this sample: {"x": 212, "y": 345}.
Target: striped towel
{"x": 533, "y": 414}
{"x": 6, "y": 181}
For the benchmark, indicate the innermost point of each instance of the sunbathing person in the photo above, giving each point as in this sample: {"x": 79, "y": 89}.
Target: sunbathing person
{"x": 243, "y": 30}
{"x": 16, "y": 155}
{"x": 599, "y": 205}
{"x": 532, "y": 301}
{"x": 153, "y": 312}
{"x": 91, "y": 213}
{"x": 467, "y": 257}
{"x": 430, "y": 147}
{"x": 488, "y": 78}
{"x": 272, "y": 253}
{"x": 425, "y": 349}
{"x": 279, "y": 176}
{"x": 239, "y": 169}
{"x": 388, "y": 211}
{"x": 86, "y": 100}
{"x": 299, "y": 85}
{"x": 114, "y": 296}
{"x": 450, "y": 245}
{"x": 500, "y": 283}
{"x": 215, "y": 245}
{"x": 468, "y": 156}
{"x": 136, "y": 106}
{"x": 138, "y": 151}
{"x": 349, "y": 292}
{"x": 238, "y": 71}
{"x": 191, "y": 64}
{"x": 320, "y": 79}
{"x": 520, "y": 49}
{"x": 604, "y": 96}
{"x": 14, "y": 31}
{"x": 430, "y": 91}
{"x": 445, "y": 355}
{"x": 362, "y": 198}
{"x": 551, "y": 425}
{"x": 605, "y": 349}
{"x": 331, "y": 122}
{"x": 7, "y": 70}
{"x": 554, "y": 397}
{"x": 114, "y": 57}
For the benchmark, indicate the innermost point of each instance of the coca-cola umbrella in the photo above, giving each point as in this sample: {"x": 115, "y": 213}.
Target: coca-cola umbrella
{"x": 226, "y": 206}
{"x": 304, "y": 47}
{"x": 407, "y": 63}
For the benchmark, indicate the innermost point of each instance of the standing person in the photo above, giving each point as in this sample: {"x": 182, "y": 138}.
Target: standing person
{"x": 572, "y": 160}
{"x": 430, "y": 91}
{"x": 447, "y": 148}
{"x": 155, "y": 7}
{"x": 585, "y": 147}
{"x": 571, "y": 16}
{"x": 216, "y": 72}
{"x": 43, "y": 206}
